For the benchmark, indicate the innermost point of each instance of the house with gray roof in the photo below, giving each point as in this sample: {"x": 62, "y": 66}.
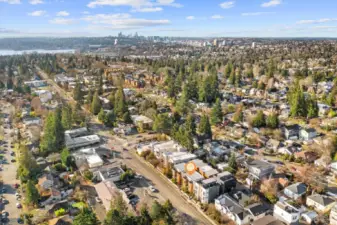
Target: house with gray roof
{"x": 321, "y": 203}
{"x": 233, "y": 206}
{"x": 295, "y": 191}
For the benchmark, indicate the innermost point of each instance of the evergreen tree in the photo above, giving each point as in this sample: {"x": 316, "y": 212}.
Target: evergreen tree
{"x": 171, "y": 91}
{"x": 182, "y": 104}
{"x": 111, "y": 99}
{"x": 120, "y": 106}
{"x": 86, "y": 217}
{"x": 232, "y": 163}
{"x": 67, "y": 119}
{"x": 100, "y": 85}
{"x": 238, "y": 115}
{"x": 297, "y": 101}
{"x": 127, "y": 117}
{"x": 205, "y": 127}
{"x": 110, "y": 119}
{"x": 232, "y": 77}
{"x": 101, "y": 115}
{"x": 259, "y": 119}
{"x": 145, "y": 218}
{"x": 272, "y": 120}
{"x": 238, "y": 77}
{"x": 162, "y": 123}
{"x": 312, "y": 107}
{"x": 228, "y": 70}
{"x": 89, "y": 97}
{"x": 216, "y": 113}
{"x": 32, "y": 194}
{"x": 65, "y": 157}
{"x": 96, "y": 104}
{"x": 190, "y": 125}
{"x": 10, "y": 84}
{"x": 58, "y": 129}
{"x": 47, "y": 143}
{"x": 156, "y": 211}
{"x": 78, "y": 94}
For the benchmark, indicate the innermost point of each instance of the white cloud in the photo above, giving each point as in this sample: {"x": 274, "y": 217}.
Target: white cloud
{"x": 256, "y": 13}
{"x": 37, "y": 13}
{"x": 190, "y": 18}
{"x": 85, "y": 12}
{"x": 62, "y": 21}
{"x": 149, "y": 9}
{"x": 215, "y": 17}
{"x": 271, "y": 3}
{"x": 122, "y": 21}
{"x": 11, "y": 1}
{"x": 36, "y": 2}
{"x": 325, "y": 20}
{"x": 134, "y": 3}
{"x": 227, "y": 5}
{"x": 62, "y": 13}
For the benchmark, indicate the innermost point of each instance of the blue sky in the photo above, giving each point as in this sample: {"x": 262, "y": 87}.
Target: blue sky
{"x": 197, "y": 18}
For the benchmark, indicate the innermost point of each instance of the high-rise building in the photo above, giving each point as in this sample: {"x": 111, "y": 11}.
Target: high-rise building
{"x": 116, "y": 41}
{"x": 224, "y": 43}
{"x": 215, "y": 42}
{"x": 253, "y": 45}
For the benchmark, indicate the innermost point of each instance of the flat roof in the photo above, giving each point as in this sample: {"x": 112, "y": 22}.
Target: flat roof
{"x": 93, "y": 159}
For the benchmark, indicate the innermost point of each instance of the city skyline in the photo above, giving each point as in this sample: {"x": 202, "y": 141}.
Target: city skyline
{"x": 232, "y": 18}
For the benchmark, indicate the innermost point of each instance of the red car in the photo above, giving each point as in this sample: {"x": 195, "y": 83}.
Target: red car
{"x": 16, "y": 186}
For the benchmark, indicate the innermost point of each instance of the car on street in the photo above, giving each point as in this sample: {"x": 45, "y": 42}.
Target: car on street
{"x": 13, "y": 160}
{"x": 3, "y": 190}
{"x": 16, "y": 186}
{"x": 17, "y": 194}
{"x": 19, "y": 221}
{"x": 18, "y": 205}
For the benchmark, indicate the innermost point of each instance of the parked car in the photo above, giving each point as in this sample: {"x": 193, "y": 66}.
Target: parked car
{"x": 13, "y": 160}
{"x": 19, "y": 221}
{"x": 3, "y": 190}
{"x": 18, "y": 205}
{"x": 4, "y": 213}
{"x": 152, "y": 189}
{"x": 98, "y": 200}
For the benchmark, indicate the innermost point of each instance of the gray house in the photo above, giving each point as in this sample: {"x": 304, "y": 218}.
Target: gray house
{"x": 259, "y": 169}
{"x": 292, "y": 132}
{"x": 296, "y": 190}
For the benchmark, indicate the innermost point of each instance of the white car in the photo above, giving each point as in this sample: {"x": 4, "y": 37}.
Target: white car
{"x": 98, "y": 200}
{"x": 152, "y": 189}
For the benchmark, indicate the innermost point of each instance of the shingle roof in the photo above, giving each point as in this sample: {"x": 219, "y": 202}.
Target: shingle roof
{"x": 321, "y": 199}
{"x": 298, "y": 188}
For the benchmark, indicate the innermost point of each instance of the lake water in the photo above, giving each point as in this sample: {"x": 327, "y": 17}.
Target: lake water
{"x": 40, "y": 51}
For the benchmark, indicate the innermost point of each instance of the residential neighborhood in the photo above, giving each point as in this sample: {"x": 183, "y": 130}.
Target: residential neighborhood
{"x": 206, "y": 132}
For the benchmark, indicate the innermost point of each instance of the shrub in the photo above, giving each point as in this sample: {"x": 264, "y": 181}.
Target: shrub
{"x": 60, "y": 212}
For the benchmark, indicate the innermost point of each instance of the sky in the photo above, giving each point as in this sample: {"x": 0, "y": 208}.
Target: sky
{"x": 187, "y": 18}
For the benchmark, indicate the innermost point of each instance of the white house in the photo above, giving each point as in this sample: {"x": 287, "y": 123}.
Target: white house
{"x": 308, "y": 134}
{"x": 333, "y": 215}
{"x": 286, "y": 213}
{"x": 295, "y": 191}
{"x": 321, "y": 203}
